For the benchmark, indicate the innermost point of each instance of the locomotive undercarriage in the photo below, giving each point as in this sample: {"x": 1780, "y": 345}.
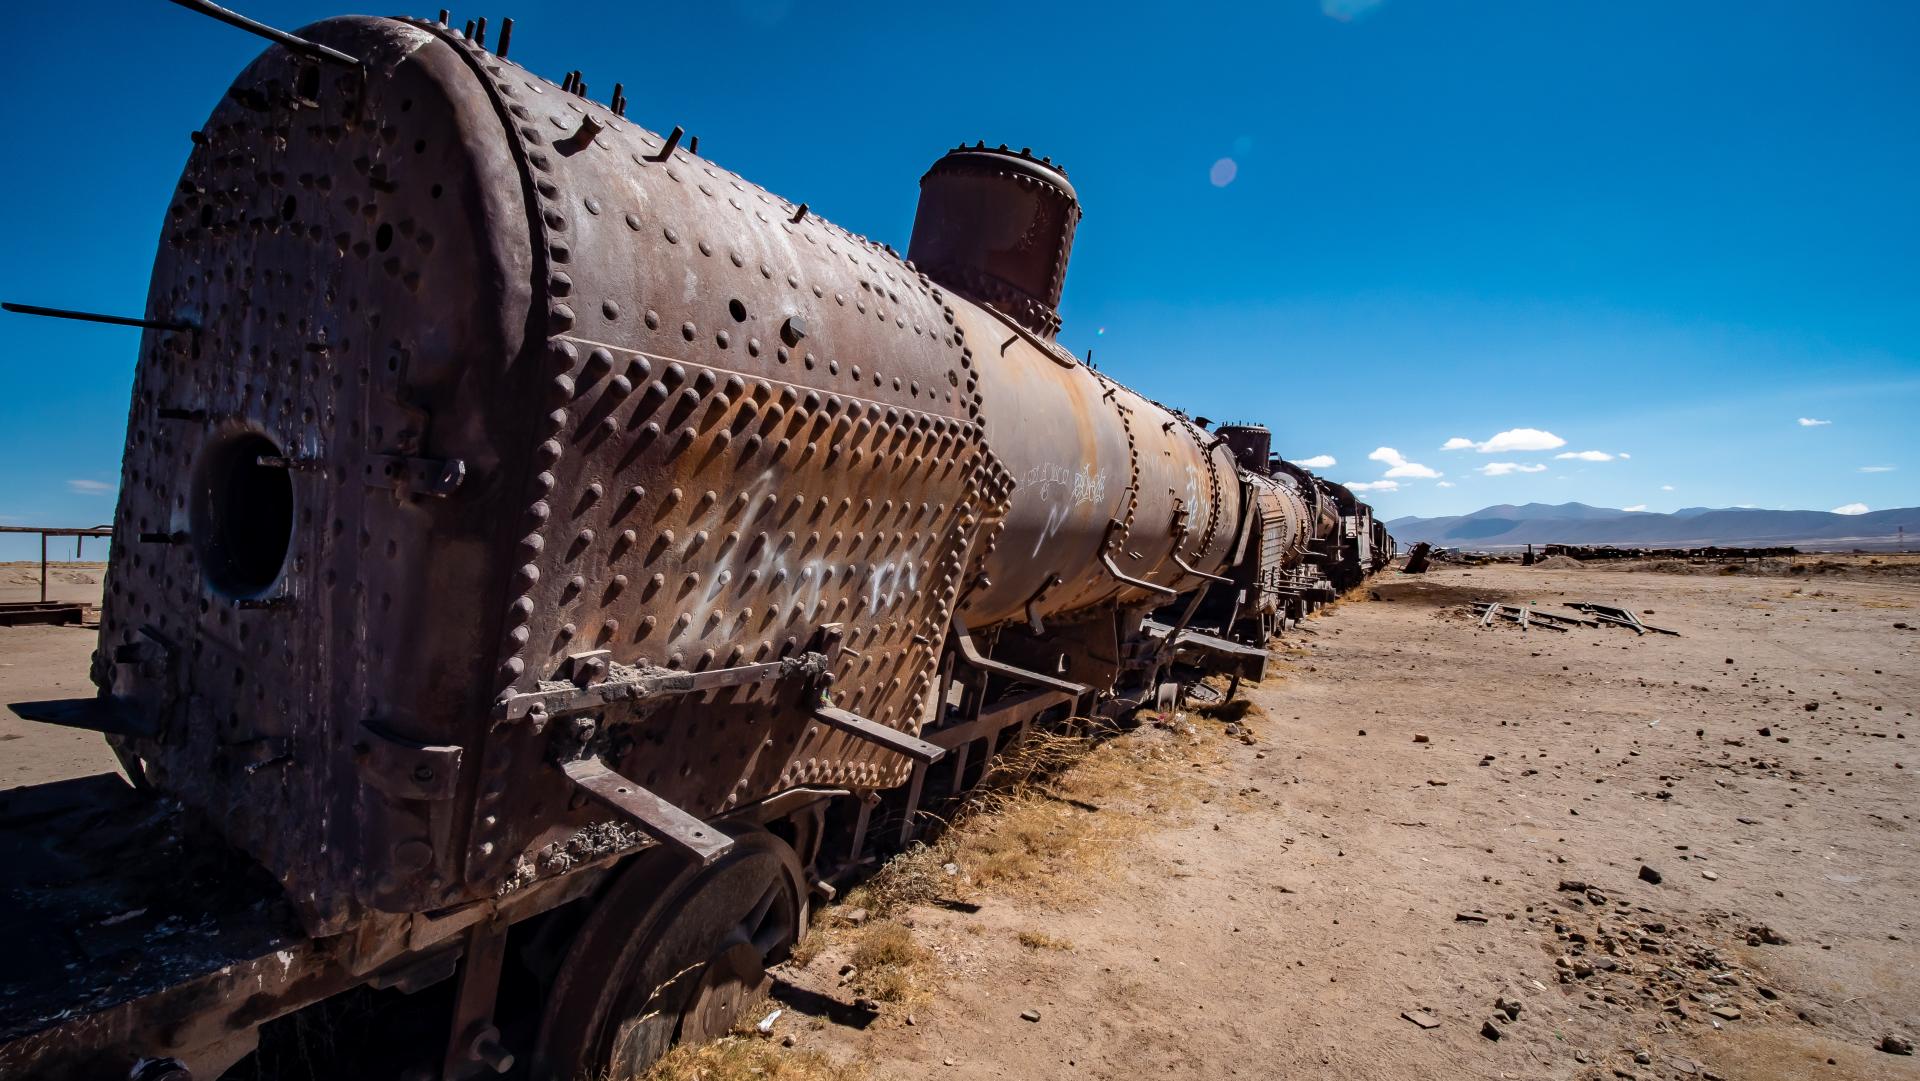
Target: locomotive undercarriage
{"x": 601, "y": 969}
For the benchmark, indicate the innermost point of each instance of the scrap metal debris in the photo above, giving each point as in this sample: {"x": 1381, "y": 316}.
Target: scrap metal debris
{"x": 1528, "y": 617}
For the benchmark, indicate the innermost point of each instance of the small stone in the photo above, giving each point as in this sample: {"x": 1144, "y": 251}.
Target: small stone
{"x": 1725, "y": 1013}
{"x": 1422, "y": 1018}
{"x": 1490, "y": 1030}
{"x": 1709, "y": 876}
{"x": 1509, "y": 1006}
{"x": 1643, "y": 1058}
{"x": 1436, "y": 782}
{"x": 1648, "y": 874}
{"x": 1896, "y": 1045}
{"x": 1420, "y": 737}
{"x": 854, "y": 917}
{"x": 1029, "y": 1015}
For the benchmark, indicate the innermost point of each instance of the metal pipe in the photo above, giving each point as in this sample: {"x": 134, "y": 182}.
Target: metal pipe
{"x": 1185, "y": 566}
{"x": 96, "y": 317}
{"x": 239, "y": 21}
{"x": 1114, "y": 569}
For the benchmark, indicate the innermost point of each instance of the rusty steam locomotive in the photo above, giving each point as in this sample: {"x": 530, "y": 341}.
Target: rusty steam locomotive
{"x": 548, "y": 557}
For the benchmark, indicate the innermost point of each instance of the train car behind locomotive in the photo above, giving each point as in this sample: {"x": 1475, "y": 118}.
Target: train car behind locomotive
{"x": 549, "y": 556}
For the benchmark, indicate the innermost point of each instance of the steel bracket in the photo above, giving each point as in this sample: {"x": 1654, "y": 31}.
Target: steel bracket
{"x": 879, "y": 734}
{"x": 423, "y": 476}
{"x": 641, "y": 684}
{"x": 405, "y": 768}
{"x": 668, "y": 824}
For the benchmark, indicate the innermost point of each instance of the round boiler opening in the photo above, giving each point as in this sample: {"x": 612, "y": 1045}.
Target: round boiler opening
{"x": 242, "y": 515}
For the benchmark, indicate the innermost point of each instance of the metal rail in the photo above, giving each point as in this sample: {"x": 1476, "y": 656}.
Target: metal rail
{"x": 80, "y": 539}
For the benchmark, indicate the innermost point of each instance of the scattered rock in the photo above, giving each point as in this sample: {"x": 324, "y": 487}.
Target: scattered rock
{"x": 1648, "y": 874}
{"x": 1709, "y": 876}
{"x": 1422, "y": 1018}
{"x": 1761, "y": 934}
{"x": 1895, "y": 1045}
{"x": 1468, "y": 917}
{"x": 1029, "y": 1015}
{"x": 1490, "y": 1030}
{"x": 1509, "y": 1006}
{"x": 1420, "y": 737}
{"x": 1726, "y": 1013}
{"x": 853, "y": 917}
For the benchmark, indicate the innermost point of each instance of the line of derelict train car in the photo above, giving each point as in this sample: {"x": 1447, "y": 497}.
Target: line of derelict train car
{"x": 544, "y": 560}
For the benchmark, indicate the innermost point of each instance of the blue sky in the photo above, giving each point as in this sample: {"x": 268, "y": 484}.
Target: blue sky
{"x": 1662, "y": 232}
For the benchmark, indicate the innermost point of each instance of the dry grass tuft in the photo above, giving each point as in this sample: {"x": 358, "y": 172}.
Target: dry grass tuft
{"x": 750, "y": 1058}
{"x": 888, "y": 964}
{"x": 1040, "y": 940}
{"x": 1047, "y": 812}
{"x": 745, "y": 1055}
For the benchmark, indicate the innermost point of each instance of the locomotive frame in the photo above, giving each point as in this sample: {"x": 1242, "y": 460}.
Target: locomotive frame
{"x": 545, "y": 556}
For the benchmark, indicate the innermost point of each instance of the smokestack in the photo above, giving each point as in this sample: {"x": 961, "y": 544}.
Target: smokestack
{"x": 996, "y": 226}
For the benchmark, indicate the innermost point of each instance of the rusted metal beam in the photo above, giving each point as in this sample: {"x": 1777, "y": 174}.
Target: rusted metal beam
{"x": 252, "y": 26}
{"x": 876, "y": 733}
{"x": 667, "y": 823}
{"x": 98, "y": 317}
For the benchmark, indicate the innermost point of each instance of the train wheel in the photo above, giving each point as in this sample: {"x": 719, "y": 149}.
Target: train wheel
{"x": 670, "y": 956}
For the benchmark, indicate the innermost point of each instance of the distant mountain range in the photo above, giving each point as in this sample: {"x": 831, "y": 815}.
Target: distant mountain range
{"x": 1506, "y": 526}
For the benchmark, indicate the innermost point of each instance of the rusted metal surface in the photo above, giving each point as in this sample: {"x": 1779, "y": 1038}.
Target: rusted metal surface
{"x": 996, "y": 226}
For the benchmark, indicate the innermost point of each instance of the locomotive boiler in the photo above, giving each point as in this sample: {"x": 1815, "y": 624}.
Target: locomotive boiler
{"x": 549, "y": 556}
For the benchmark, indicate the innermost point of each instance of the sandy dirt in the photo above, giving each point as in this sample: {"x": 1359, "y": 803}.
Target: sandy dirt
{"x": 1344, "y": 874}
{"x": 40, "y": 663}
{"x": 1308, "y": 889}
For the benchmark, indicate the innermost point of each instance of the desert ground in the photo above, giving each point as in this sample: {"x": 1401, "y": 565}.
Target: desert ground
{"x": 1425, "y": 849}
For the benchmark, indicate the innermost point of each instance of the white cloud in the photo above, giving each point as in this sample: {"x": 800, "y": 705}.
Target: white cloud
{"x": 1318, "y": 461}
{"x": 1666, "y": 487}
{"x": 1509, "y": 441}
{"x": 1876, "y": 469}
{"x": 1521, "y": 439}
{"x": 90, "y": 487}
{"x": 1375, "y": 486}
{"x": 1588, "y": 455}
{"x": 1399, "y": 466}
{"x": 1809, "y": 422}
{"x": 1852, "y": 508}
{"x": 1444, "y": 484}
{"x": 1635, "y": 509}
{"x": 1501, "y": 469}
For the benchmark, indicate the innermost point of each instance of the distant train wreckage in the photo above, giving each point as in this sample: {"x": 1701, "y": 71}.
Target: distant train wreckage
{"x": 545, "y": 561}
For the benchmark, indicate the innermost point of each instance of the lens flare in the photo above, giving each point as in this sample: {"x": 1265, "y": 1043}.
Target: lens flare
{"x": 1223, "y": 172}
